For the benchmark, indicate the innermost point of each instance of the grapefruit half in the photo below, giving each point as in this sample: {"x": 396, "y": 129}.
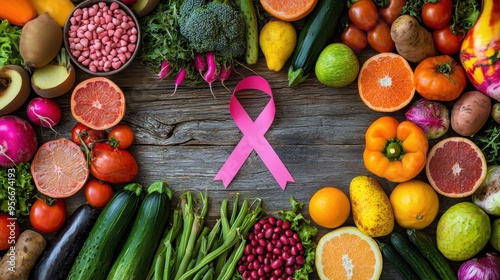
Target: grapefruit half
{"x": 59, "y": 168}
{"x": 98, "y": 103}
{"x": 455, "y": 167}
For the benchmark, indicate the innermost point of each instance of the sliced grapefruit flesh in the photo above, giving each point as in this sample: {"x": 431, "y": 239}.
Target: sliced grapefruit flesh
{"x": 59, "y": 168}
{"x": 290, "y": 10}
{"x": 98, "y": 103}
{"x": 455, "y": 167}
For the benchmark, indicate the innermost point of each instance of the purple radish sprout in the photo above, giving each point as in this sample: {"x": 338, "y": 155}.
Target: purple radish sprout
{"x": 165, "y": 68}
{"x": 212, "y": 72}
{"x": 179, "y": 79}
{"x": 200, "y": 63}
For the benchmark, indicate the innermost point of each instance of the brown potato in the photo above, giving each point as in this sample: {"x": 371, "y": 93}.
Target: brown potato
{"x": 17, "y": 264}
{"x": 470, "y": 112}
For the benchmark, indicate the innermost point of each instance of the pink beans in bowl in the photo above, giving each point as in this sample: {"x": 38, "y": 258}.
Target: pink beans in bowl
{"x": 102, "y": 36}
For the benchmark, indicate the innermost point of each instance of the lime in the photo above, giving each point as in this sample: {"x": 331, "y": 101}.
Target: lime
{"x": 462, "y": 231}
{"x": 337, "y": 65}
{"x": 495, "y": 234}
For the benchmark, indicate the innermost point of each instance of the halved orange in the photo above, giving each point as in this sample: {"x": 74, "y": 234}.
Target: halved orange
{"x": 455, "y": 167}
{"x": 59, "y": 168}
{"x": 98, "y": 103}
{"x": 385, "y": 82}
{"x": 347, "y": 253}
{"x": 290, "y": 10}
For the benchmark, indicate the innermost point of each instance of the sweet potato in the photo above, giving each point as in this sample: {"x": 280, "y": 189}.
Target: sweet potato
{"x": 413, "y": 42}
{"x": 16, "y": 264}
{"x": 470, "y": 112}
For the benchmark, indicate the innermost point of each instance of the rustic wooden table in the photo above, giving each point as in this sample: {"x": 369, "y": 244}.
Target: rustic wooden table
{"x": 318, "y": 132}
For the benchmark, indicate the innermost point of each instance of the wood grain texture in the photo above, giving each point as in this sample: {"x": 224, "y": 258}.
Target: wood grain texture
{"x": 318, "y": 132}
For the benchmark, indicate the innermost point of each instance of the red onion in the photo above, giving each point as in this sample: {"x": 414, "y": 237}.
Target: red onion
{"x": 483, "y": 268}
{"x": 431, "y": 116}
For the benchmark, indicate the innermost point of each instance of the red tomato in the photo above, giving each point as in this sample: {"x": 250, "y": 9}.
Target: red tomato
{"x": 122, "y": 135}
{"x": 112, "y": 165}
{"x": 446, "y": 42}
{"x": 364, "y": 14}
{"x": 392, "y": 11}
{"x": 379, "y": 37}
{"x": 354, "y": 37}
{"x": 98, "y": 193}
{"x": 87, "y": 134}
{"x": 46, "y": 216}
{"x": 9, "y": 231}
{"x": 437, "y": 15}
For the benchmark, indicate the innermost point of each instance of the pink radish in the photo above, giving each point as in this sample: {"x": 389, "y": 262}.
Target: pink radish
{"x": 225, "y": 72}
{"x": 212, "y": 72}
{"x": 44, "y": 112}
{"x": 164, "y": 69}
{"x": 179, "y": 79}
{"x": 200, "y": 63}
{"x": 18, "y": 141}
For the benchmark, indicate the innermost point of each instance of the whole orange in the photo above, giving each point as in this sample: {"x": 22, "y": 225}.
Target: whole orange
{"x": 415, "y": 204}
{"x": 329, "y": 207}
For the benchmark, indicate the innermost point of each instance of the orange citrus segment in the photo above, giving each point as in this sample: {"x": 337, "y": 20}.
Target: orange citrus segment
{"x": 98, "y": 103}
{"x": 59, "y": 168}
{"x": 455, "y": 167}
{"x": 290, "y": 10}
{"x": 385, "y": 82}
{"x": 347, "y": 253}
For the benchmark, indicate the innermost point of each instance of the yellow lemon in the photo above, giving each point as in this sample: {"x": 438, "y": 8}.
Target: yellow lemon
{"x": 277, "y": 40}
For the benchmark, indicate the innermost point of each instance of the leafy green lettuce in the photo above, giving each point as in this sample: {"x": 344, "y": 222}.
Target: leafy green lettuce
{"x": 17, "y": 190}
{"x": 9, "y": 44}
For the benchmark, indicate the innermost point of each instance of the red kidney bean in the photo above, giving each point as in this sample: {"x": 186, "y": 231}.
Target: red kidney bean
{"x": 277, "y": 263}
{"x": 300, "y": 260}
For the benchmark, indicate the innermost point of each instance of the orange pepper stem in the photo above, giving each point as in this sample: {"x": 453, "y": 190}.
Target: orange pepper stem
{"x": 393, "y": 149}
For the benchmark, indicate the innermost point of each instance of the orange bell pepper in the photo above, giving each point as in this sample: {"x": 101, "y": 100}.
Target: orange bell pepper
{"x": 395, "y": 151}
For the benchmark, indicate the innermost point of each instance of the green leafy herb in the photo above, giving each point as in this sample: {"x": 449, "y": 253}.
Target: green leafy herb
{"x": 161, "y": 40}
{"x": 16, "y": 190}
{"x": 414, "y": 9}
{"x": 488, "y": 140}
{"x": 302, "y": 226}
{"x": 9, "y": 44}
{"x": 465, "y": 14}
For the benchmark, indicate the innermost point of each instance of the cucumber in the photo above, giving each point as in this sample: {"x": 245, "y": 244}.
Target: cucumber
{"x": 247, "y": 10}
{"x": 138, "y": 252}
{"x": 413, "y": 257}
{"x": 318, "y": 29}
{"x": 64, "y": 247}
{"x": 428, "y": 249}
{"x": 401, "y": 266}
{"x": 98, "y": 251}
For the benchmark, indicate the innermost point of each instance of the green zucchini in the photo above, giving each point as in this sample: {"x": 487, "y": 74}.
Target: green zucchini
{"x": 401, "y": 266}
{"x": 428, "y": 249}
{"x": 413, "y": 257}
{"x": 137, "y": 254}
{"x": 314, "y": 36}
{"x": 98, "y": 252}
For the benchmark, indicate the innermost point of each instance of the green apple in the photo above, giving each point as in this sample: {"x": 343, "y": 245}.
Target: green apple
{"x": 495, "y": 234}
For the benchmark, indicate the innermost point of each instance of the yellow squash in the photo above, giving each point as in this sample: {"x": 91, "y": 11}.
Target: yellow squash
{"x": 370, "y": 206}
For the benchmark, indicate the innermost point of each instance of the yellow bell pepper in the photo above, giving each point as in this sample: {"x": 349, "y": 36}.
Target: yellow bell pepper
{"x": 59, "y": 10}
{"x": 395, "y": 151}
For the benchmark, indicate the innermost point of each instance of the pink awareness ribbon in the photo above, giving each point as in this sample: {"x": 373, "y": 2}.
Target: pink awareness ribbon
{"x": 253, "y": 136}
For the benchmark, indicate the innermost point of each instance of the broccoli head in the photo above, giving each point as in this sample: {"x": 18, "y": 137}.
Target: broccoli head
{"x": 214, "y": 26}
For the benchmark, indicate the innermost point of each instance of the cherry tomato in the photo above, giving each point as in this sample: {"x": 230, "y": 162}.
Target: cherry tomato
{"x": 87, "y": 134}
{"x": 364, "y": 14}
{"x": 440, "y": 78}
{"x": 112, "y": 165}
{"x": 437, "y": 15}
{"x": 98, "y": 193}
{"x": 9, "y": 231}
{"x": 392, "y": 11}
{"x": 446, "y": 42}
{"x": 122, "y": 135}
{"x": 354, "y": 37}
{"x": 48, "y": 216}
{"x": 379, "y": 37}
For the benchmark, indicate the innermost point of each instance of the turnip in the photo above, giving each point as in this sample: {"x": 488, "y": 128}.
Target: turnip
{"x": 18, "y": 141}
{"x": 44, "y": 112}
{"x": 487, "y": 196}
